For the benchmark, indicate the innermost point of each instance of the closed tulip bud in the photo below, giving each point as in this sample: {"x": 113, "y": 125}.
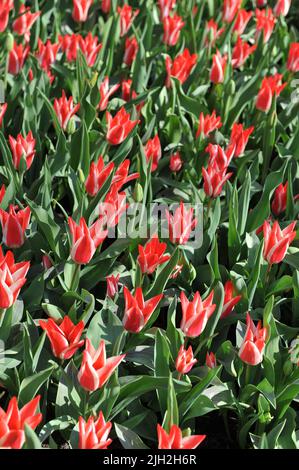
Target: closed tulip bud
{"x": 71, "y": 126}
{"x": 138, "y": 192}
{"x": 9, "y": 43}
{"x": 81, "y": 176}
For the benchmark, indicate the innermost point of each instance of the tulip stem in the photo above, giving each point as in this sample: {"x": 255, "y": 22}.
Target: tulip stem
{"x": 267, "y": 276}
{"x": 247, "y": 374}
{"x": 75, "y": 277}
{"x": 85, "y": 403}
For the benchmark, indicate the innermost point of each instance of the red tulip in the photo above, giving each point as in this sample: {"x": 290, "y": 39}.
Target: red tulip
{"x": 24, "y": 22}
{"x": 282, "y": 7}
{"x": 214, "y": 180}
{"x": 5, "y": 7}
{"x": 126, "y": 89}
{"x": 293, "y": 59}
{"x": 207, "y": 124}
{"x": 86, "y": 240}
{"x": 81, "y": 9}
{"x": 113, "y": 207}
{"x": 211, "y": 360}
{"x": 166, "y": 6}
{"x": 46, "y": 262}
{"x": 230, "y": 9}
{"x": 175, "y": 440}
{"x": 180, "y": 224}
{"x": 127, "y": 16}
{"x": 105, "y": 93}
{"x": 277, "y": 241}
{"x": 239, "y": 138}
{"x": 241, "y": 52}
{"x": 279, "y": 203}
{"x": 180, "y": 67}
{"x": 22, "y": 147}
{"x": 65, "y": 338}
{"x": 2, "y": 192}
{"x": 70, "y": 44}
{"x": 185, "y": 360}
{"x": 112, "y": 285}
{"x": 243, "y": 17}
{"x": 17, "y": 57}
{"x": 90, "y": 48}
{"x": 119, "y": 126}
{"x": 131, "y": 49}
{"x": 65, "y": 109}
{"x": 230, "y": 300}
{"x": 218, "y": 158}
{"x": 252, "y": 348}
{"x": 12, "y": 278}
{"x": 152, "y": 255}
{"x": 46, "y": 55}
{"x": 153, "y": 152}
{"x": 265, "y": 22}
{"x": 270, "y": 86}
{"x": 212, "y": 32}
{"x": 176, "y": 162}
{"x": 94, "y": 433}
{"x": 14, "y": 223}
{"x": 121, "y": 176}
{"x": 106, "y": 5}
{"x": 196, "y": 314}
{"x": 98, "y": 174}
{"x": 95, "y": 368}
{"x": 218, "y": 68}
{"x": 172, "y": 27}
{"x": 3, "y": 108}
{"x": 12, "y": 422}
{"x": 138, "y": 311}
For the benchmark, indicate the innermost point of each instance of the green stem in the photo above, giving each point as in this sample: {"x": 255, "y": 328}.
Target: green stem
{"x": 247, "y": 374}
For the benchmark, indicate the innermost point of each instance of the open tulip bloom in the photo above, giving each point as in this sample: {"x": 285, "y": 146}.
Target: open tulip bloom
{"x": 149, "y": 208}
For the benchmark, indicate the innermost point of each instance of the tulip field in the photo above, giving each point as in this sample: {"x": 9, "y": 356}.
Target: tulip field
{"x": 149, "y": 201}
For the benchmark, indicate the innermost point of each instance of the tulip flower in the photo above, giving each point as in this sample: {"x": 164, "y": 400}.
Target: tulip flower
{"x": 131, "y": 49}
{"x": 22, "y": 147}
{"x": 138, "y": 311}
{"x": 218, "y": 157}
{"x": 5, "y": 7}
{"x": 175, "y": 440}
{"x": 180, "y": 67}
{"x": 3, "y": 108}
{"x": 293, "y": 59}
{"x": 279, "y": 203}
{"x": 81, "y": 9}
{"x": 17, "y": 57}
{"x": 113, "y": 206}
{"x": 95, "y": 368}
{"x": 106, "y": 92}
{"x": 12, "y": 278}
{"x": 230, "y": 9}
{"x": 121, "y": 176}
{"x": 126, "y": 89}
{"x": 181, "y": 224}
{"x": 70, "y": 43}
{"x": 24, "y": 22}
{"x": 214, "y": 180}
{"x": 270, "y": 86}
{"x": 239, "y": 138}
{"x": 2, "y": 192}
{"x": 119, "y": 126}
{"x": 212, "y": 32}
{"x": 94, "y": 433}
{"x": 105, "y": 6}
{"x": 165, "y": 7}
{"x": 65, "y": 109}
{"x": 207, "y": 124}
{"x": 172, "y": 27}
{"x": 243, "y": 18}
{"x": 152, "y": 255}
{"x": 282, "y": 7}
{"x": 253, "y": 345}
{"x": 176, "y": 162}
{"x": 46, "y": 56}
{"x": 13, "y": 421}
{"x": 218, "y": 68}
{"x": 153, "y": 152}
{"x": 65, "y": 338}
{"x": 85, "y": 240}
{"x": 195, "y": 313}
{"x": 127, "y": 16}
{"x": 14, "y": 223}
{"x": 98, "y": 174}
{"x": 46, "y": 262}
{"x": 230, "y": 300}
{"x": 277, "y": 241}
{"x": 185, "y": 360}
{"x": 90, "y": 48}
{"x": 112, "y": 285}
{"x": 265, "y": 22}
{"x": 211, "y": 360}
{"x": 241, "y": 52}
